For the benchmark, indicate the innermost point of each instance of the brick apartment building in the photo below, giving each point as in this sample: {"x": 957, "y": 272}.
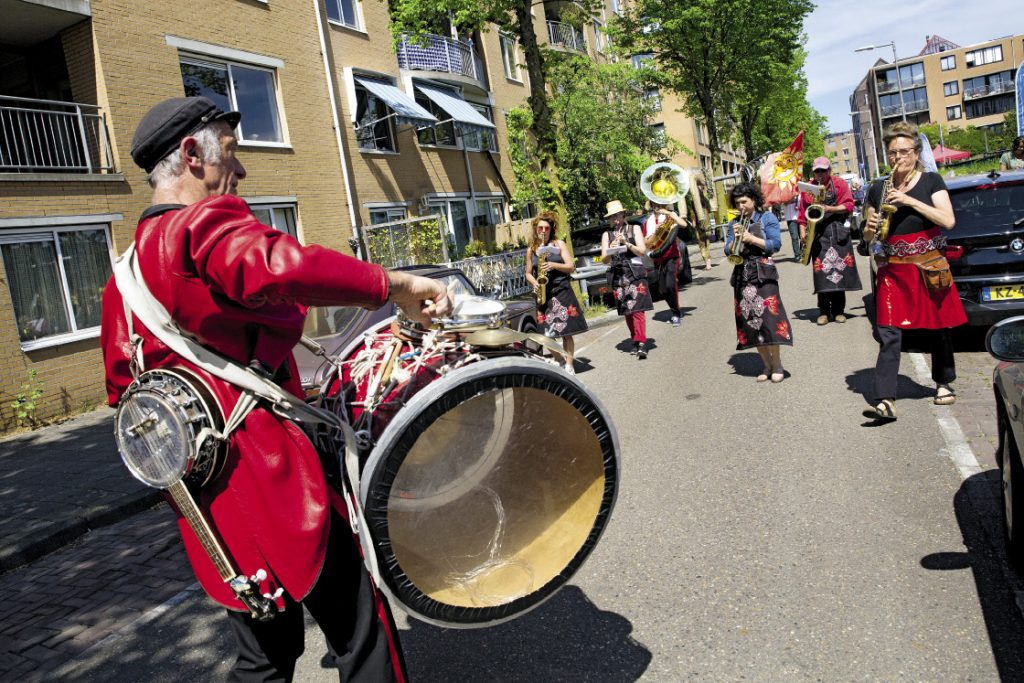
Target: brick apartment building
{"x": 944, "y": 83}
{"x": 841, "y": 148}
{"x": 340, "y": 130}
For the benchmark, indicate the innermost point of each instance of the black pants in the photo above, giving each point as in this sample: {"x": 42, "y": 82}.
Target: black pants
{"x": 832, "y": 304}
{"x": 887, "y": 367}
{"x": 668, "y": 282}
{"x": 342, "y": 603}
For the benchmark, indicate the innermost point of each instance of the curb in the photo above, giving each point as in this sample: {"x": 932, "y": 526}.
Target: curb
{"x": 95, "y": 518}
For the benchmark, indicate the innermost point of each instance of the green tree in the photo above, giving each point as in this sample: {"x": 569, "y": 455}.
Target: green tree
{"x": 710, "y": 51}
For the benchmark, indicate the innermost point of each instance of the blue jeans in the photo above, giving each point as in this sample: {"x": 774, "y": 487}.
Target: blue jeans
{"x": 794, "y": 234}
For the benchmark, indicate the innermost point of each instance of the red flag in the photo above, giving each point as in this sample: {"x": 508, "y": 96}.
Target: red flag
{"x": 781, "y": 172}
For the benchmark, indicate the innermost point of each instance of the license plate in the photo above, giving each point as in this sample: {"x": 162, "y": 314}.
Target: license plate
{"x": 596, "y": 260}
{"x": 1002, "y": 293}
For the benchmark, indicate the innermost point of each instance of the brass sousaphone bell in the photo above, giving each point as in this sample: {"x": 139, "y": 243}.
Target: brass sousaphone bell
{"x": 663, "y": 183}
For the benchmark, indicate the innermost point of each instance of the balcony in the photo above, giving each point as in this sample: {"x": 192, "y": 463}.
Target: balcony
{"x": 47, "y": 136}
{"x": 997, "y": 88}
{"x": 566, "y": 36}
{"x": 440, "y": 55}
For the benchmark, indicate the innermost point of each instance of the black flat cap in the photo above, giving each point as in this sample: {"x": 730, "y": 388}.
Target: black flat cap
{"x": 163, "y": 127}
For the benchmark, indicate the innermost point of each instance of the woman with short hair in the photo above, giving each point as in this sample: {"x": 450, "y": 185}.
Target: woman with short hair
{"x": 1013, "y": 160}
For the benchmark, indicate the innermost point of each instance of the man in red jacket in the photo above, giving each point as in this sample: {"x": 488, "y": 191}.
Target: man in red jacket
{"x": 242, "y": 289}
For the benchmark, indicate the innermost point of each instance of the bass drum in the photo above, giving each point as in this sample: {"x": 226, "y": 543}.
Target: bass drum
{"x": 489, "y": 475}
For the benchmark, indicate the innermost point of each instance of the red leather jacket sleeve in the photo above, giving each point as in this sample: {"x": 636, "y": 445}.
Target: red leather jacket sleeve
{"x": 254, "y": 264}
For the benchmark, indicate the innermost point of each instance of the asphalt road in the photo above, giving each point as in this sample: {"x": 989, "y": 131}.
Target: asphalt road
{"x": 762, "y": 532}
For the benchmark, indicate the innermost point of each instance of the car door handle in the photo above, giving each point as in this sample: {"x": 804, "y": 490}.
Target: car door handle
{"x": 1014, "y": 411}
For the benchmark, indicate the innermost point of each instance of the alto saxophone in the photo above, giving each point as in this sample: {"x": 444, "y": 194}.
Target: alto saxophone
{"x": 885, "y": 211}
{"x": 542, "y": 277}
{"x": 814, "y": 213}
{"x": 739, "y": 229}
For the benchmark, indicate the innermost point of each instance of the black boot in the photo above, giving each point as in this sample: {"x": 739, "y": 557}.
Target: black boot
{"x": 641, "y": 351}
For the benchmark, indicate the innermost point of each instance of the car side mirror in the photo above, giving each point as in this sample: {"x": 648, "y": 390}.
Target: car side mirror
{"x": 1005, "y": 340}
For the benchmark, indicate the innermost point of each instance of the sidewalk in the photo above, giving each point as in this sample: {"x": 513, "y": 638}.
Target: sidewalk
{"x": 61, "y": 481}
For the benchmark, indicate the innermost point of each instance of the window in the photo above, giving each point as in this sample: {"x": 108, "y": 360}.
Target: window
{"x": 658, "y": 133}
{"x": 989, "y": 84}
{"x": 644, "y": 61}
{"x": 653, "y": 96}
{"x": 490, "y": 211}
{"x": 374, "y": 130}
{"x": 912, "y": 74}
{"x": 232, "y": 86}
{"x": 481, "y": 139}
{"x": 455, "y": 215}
{"x": 615, "y": 7}
{"x": 342, "y": 12}
{"x": 953, "y": 112}
{"x": 951, "y": 88}
{"x": 986, "y": 55}
{"x": 702, "y": 138}
{"x": 989, "y": 106}
{"x": 56, "y": 278}
{"x": 598, "y": 36}
{"x": 441, "y": 134}
{"x": 508, "y": 56}
{"x": 948, "y": 63}
{"x": 387, "y": 215}
{"x": 278, "y": 215}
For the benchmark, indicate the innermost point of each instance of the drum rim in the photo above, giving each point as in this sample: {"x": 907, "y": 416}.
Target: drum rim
{"x": 369, "y": 479}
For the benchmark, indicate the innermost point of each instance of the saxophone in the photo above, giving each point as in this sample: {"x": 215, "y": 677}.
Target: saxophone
{"x": 885, "y": 211}
{"x": 814, "y": 213}
{"x": 542, "y": 277}
{"x": 739, "y": 229}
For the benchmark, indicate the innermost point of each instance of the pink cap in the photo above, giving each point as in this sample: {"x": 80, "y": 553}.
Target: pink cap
{"x": 821, "y": 162}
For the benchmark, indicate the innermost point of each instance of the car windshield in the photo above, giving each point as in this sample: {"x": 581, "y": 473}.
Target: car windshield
{"x": 457, "y": 284}
{"x": 987, "y": 209}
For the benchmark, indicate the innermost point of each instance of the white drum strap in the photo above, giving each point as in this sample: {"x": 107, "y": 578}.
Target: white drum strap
{"x": 140, "y": 301}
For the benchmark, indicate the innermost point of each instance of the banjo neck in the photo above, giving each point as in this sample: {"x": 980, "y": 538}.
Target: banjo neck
{"x": 190, "y": 511}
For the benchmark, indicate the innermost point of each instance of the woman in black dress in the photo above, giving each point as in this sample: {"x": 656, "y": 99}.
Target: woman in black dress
{"x": 761, "y": 319}
{"x": 560, "y": 311}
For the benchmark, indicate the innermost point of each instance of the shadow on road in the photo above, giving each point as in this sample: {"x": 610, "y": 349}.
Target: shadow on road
{"x": 976, "y": 505}
{"x": 748, "y": 364}
{"x": 566, "y": 638}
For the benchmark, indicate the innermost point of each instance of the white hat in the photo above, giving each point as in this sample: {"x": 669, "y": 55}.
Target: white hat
{"x": 614, "y": 207}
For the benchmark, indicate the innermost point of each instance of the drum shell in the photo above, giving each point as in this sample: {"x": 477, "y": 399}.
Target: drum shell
{"x": 574, "y": 481}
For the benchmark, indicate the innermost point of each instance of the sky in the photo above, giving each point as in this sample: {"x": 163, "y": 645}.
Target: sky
{"x": 836, "y": 28}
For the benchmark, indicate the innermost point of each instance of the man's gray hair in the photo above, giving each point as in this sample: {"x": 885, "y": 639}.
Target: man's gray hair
{"x": 172, "y": 166}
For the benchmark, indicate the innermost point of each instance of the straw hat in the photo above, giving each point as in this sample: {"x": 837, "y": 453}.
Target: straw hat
{"x": 614, "y": 207}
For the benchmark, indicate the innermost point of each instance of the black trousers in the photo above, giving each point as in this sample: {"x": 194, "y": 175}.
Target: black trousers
{"x": 887, "y": 367}
{"x": 668, "y": 282}
{"x": 832, "y": 304}
{"x": 342, "y": 603}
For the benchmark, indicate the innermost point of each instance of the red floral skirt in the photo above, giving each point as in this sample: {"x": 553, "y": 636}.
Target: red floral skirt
{"x": 903, "y": 301}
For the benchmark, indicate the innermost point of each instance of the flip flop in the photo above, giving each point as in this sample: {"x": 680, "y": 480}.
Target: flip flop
{"x": 884, "y": 411}
{"x": 944, "y": 396}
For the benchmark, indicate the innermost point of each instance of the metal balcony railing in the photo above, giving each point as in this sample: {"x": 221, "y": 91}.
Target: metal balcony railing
{"x": 910, "y": 107}
{"x": 502, "y": 275}
{"x": 48, "y": 136}
{"x": 884, "y": 87}
{"x": 566, "y": 35}
{"x": 996, "y": 88}
{"x": 438, "y": 53}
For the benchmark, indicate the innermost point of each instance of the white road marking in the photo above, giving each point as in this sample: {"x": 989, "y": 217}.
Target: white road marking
{"x": 957, "y": 448}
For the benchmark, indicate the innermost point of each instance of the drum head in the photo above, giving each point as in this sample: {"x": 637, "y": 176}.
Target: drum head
{"x": 489, "y": 490}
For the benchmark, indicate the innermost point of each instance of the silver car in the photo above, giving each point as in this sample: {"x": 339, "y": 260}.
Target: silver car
{"x": 1005, "y": 341}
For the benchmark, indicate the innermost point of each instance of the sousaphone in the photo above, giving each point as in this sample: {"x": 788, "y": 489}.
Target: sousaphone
{"x": 663, "y": 183}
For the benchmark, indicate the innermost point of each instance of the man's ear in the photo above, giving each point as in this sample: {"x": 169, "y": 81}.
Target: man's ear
{"x": 191, "y": 154}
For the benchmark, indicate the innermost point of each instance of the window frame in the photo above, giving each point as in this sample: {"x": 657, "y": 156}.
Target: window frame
{"x": 23, "y": 234}
{"x": 387, "y": 119}
{"x": 441, "y": 115}
{"x": 950, "y": 92}
{"x": 271, "y": 203}
{"x": 468, "y": 140}
{"x": 983, "y": 56}
{"x": 599, "y": 38}
{"x": 203, "y": 60}
{"x": 947, "y": 63}
{"x": 357, "y": 12}
{"x": 958, "y": 109}
{"x": 387, "y": 210}
{"x": 509, "y": 60}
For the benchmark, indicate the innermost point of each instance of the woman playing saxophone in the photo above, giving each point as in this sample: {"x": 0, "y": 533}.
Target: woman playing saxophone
{"x": 559, "y": 311}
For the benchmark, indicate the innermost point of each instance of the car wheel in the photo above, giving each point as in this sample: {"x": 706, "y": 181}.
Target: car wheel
{"x": 1013, "y": 508}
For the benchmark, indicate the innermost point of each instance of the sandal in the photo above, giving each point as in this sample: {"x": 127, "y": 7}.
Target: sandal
{"x": 944, "y": 395}
{"x": 884, "y": 411}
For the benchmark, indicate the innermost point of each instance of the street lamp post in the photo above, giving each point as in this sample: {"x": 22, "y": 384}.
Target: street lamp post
{"x": 899, "y": 81}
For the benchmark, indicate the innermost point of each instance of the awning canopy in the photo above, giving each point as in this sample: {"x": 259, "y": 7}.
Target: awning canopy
{"x": 466, "y": 119}
{"x": 403, "y": 107}
{"x": 944, "y": 154}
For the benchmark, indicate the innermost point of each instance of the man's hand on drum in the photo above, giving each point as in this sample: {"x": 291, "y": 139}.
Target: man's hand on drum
{"x": 420, "y": 298}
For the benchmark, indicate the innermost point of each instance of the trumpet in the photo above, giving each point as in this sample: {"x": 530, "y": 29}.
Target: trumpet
{"x": 814, "y": 213}
{"x": 739, "y": 229}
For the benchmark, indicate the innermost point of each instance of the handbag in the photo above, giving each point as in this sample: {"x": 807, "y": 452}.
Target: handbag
{"x": 935, "y": 272}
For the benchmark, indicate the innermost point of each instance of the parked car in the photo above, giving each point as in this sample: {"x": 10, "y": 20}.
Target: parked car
{"x": 1005, "y": 341}
{"x": 989, "y": 271}
{"x": 586, "y": 245}
{"x": 336, "y": 327}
